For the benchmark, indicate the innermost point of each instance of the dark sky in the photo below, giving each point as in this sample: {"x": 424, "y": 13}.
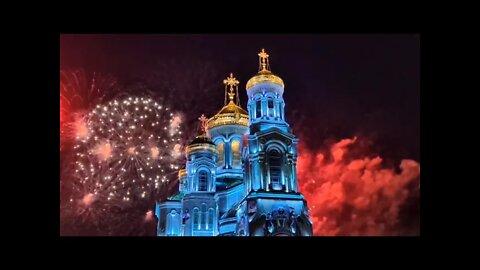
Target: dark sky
{"x": 336, "y": 86}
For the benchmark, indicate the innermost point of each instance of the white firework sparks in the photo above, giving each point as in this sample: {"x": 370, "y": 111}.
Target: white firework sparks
{"x": 129, "y": 152}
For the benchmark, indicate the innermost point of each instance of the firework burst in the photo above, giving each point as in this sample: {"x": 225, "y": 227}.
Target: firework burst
{"x": 130, "y": 152}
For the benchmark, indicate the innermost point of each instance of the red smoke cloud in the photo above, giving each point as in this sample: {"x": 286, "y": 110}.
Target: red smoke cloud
{"x": 354, "y": 196}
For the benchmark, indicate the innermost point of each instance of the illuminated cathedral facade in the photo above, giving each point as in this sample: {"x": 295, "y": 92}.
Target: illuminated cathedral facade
{"x": 240, "y": 176}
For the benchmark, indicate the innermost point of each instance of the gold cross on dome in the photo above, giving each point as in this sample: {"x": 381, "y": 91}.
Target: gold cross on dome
{"x": 231, "y": 81}
{"x": 264, "y": 58}
{"x": 203, "y": 122}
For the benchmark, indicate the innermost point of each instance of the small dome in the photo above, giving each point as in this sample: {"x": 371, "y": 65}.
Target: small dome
{"x": 202, "y": 139}
{"x": 201, "y": 143}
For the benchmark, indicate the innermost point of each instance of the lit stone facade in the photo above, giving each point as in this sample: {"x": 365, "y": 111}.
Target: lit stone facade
{"x": 240, "y": 177}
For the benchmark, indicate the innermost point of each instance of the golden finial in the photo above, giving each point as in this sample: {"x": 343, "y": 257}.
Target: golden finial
{"x": 263, "y": 60}
{"x": 232, "y": 82}
{"x": 203, "y": 123}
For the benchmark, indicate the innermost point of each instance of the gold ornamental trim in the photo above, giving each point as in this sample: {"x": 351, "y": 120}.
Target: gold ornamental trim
{"x": 201, "y": 147}
{"x": 228, "y": 119}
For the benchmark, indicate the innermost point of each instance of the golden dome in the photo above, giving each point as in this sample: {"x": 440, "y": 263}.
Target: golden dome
{"x": 231, "y": 113}
{"x": 265, "y": 74}
{"x": 232, "y": 108}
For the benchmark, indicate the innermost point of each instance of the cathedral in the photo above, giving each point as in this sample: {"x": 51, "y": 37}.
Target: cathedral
{"x": 240, "y": 175}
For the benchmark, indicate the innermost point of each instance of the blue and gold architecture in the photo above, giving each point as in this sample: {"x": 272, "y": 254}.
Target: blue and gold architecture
{"x": 240, "y": 177}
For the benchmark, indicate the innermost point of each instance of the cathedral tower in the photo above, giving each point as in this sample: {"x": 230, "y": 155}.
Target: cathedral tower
{"x": 273, "y": 204}
{"x": 227, "y": 129}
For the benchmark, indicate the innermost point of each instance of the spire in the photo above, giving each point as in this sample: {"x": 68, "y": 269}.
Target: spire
{"x": 263, "y": 61}
{"x": 231, "y": 83}
{"x": 203, "y": 124}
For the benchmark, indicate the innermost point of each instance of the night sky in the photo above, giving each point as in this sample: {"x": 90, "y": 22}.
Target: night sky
{"x": 336, "y": 86}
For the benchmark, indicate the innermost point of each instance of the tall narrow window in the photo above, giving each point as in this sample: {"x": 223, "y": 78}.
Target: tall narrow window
{"x": 258, "y": 107}
{"x": 211, "y": 212}
{"x": 275, "y": 165}
{"x": 202, "y": 181}
{"x": 169, "y": 227}
{"x": 196, "y": 217}
{"x": 280, "y": 110}
{"x": 221, "y": 154}
{"x": 270, "y": 107}
{"x": 236, "y": 155}
{"x": 204, "y": 216}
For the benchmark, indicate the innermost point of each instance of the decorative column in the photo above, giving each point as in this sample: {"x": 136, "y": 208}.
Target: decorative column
{"x": 294, "y": 176}
{"x": 287, "y": 176}
{"x": 276, "y": 109}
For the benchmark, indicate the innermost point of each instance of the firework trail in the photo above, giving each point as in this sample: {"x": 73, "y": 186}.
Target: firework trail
{"x": 130, "y": 153}
{"x": 79, "y": 93}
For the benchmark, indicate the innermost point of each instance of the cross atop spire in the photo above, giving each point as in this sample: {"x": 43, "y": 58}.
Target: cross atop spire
{"x": 203, "y": 123}
{"x": 231, "y": 83}
{"x": 263, "y": 60}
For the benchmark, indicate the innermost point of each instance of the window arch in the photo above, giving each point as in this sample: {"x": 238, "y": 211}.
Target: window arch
{"x": 236, "y": 155}
{"x": 275, "y": 163}
{"x": 258, "y": 108}
{"x": 172, "y": 222}
{"x": 202, "y": 180}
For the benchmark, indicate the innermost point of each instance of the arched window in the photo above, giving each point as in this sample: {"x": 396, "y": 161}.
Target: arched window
{"x": 196, "y": 217}
{"x": 173, "y": 223}
{"x": 221, "y": 154}
{"x": 211, "y": 212}
{"x": 275, "y": 161}
{"x": 236, "y": 155}
{"x": 258, "y": 108}
{"x": 202, "y": 180}
{"x": 270, "y": 107}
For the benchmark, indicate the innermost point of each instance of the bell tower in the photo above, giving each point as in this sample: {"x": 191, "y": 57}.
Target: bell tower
{"x": 273, "y": 204}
